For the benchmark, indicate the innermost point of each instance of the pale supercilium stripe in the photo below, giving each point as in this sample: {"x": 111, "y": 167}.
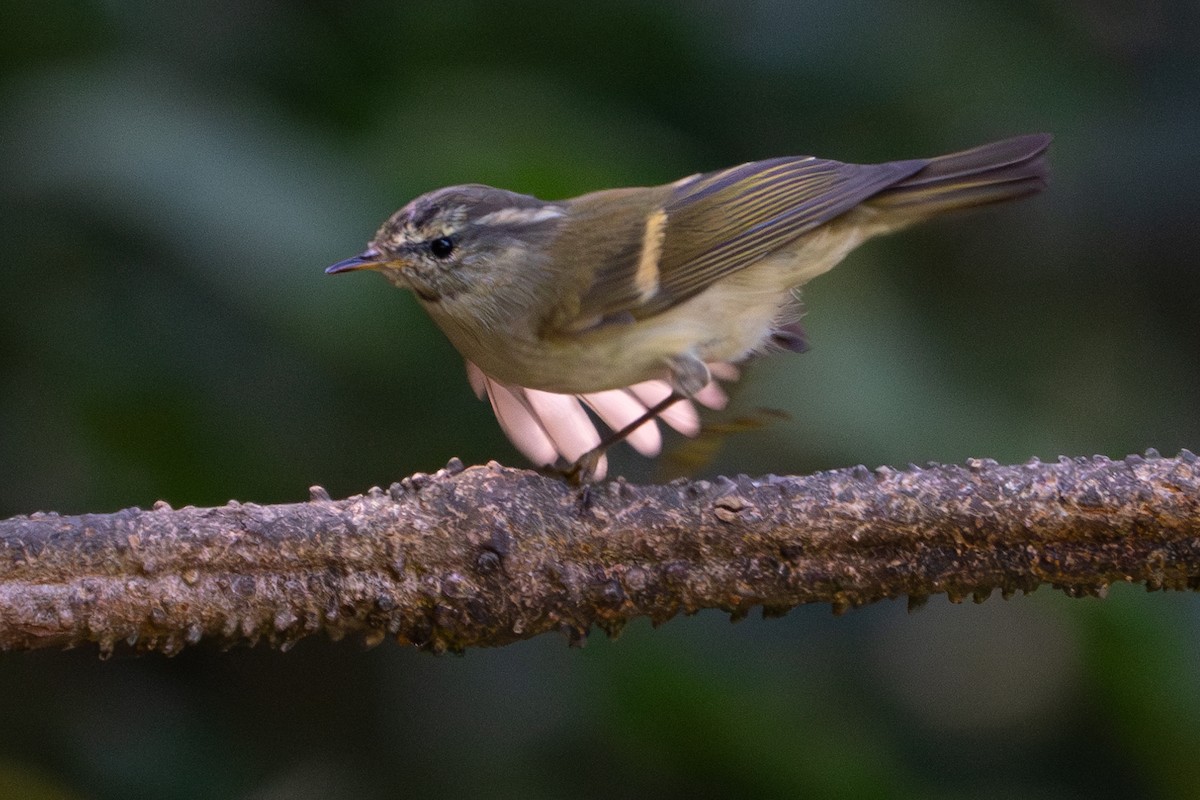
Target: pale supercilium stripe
{"x": 521, "y": 216}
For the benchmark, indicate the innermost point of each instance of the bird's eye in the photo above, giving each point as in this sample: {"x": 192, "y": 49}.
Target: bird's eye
{"x": 442, "y": 247}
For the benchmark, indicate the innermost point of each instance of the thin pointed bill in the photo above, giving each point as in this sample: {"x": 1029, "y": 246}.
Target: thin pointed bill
{"x": 368, "y": 259}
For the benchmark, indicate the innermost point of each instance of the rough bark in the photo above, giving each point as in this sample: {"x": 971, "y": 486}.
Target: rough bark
{"x": 489, "y": 555}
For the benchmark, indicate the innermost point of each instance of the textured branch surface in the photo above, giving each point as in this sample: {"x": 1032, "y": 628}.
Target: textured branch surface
{"x": 490, "y": 555}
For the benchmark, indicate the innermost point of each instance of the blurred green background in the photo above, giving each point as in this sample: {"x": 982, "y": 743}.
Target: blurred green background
{"x": 174, "y": 178}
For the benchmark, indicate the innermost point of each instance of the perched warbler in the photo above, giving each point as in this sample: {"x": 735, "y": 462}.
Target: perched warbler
{"x": 633, "y": 302}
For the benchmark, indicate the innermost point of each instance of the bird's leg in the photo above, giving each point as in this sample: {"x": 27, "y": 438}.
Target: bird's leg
{"x": 688, "y": 376}
{"x": 585, "y": 466}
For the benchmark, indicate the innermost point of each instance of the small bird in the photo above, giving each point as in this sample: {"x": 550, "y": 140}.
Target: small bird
{"x": 635, "y": 302}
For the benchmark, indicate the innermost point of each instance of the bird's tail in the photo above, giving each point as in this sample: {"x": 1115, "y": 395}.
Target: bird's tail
{"x": 990, "y": 173}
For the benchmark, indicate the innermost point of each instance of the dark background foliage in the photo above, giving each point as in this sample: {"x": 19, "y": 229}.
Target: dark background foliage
{"x": 174, "y": 177}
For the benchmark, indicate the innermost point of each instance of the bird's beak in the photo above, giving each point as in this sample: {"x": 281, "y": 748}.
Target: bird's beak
{"x": 368, "y": 259}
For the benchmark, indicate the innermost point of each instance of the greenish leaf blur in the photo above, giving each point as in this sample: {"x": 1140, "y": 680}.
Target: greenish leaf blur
{"x": 174, "y": 177}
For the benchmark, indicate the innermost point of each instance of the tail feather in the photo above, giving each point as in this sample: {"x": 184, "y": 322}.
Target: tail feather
{"x": 990, "y": 173}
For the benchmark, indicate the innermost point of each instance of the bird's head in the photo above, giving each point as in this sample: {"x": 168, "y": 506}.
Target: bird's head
{"x": 461, "y": 239}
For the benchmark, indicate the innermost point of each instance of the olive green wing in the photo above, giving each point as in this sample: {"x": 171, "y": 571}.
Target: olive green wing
{"x": 712, "y": 225}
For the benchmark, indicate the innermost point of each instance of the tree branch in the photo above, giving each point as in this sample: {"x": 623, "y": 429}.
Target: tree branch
{"x": 489, "y": 555}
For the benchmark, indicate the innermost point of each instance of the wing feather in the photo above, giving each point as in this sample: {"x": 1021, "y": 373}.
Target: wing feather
{"x": 721, "y": 222}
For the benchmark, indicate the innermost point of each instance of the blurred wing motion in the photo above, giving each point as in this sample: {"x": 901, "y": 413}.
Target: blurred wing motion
{"x": 546, "y": 427}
